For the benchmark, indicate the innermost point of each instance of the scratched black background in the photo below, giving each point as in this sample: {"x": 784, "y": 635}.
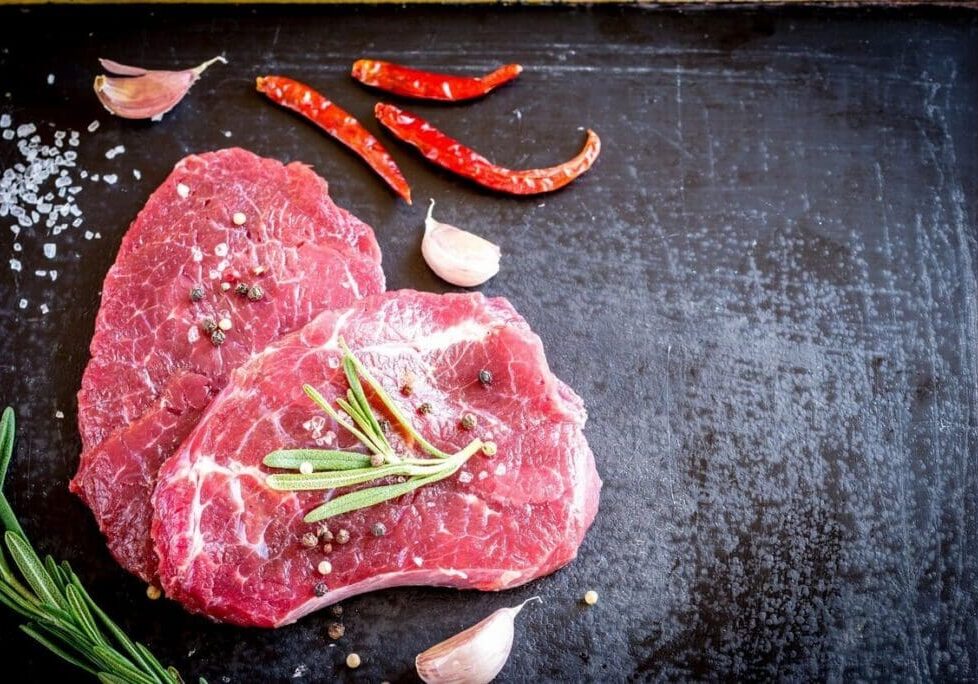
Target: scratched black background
{"x": 765, "y": 291}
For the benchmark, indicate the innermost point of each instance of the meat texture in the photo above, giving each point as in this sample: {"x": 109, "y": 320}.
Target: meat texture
{"x": 229, "y": 546}
{"x": 153, "y": 367}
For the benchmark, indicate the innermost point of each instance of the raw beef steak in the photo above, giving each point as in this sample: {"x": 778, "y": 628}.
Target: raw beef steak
{"x": 154, "y": 368}
{"x": 229, "y": 546}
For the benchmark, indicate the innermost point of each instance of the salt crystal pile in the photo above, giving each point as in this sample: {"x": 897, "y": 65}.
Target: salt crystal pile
{"x": 38, "y": 191}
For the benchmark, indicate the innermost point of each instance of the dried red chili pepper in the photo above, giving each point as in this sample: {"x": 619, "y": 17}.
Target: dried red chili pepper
{"x": 425, "y": 85}
{"x": 450, "y": 154}
{"x": 338, "y": 123}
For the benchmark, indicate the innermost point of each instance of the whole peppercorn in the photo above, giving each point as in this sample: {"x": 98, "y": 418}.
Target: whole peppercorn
{"x": 336, "y": 630}
{"x": 241, "y": 289}
{"x": 468, "y": 421}
{"x": 378, "y": 529}
{"x": 309, "y": 540}
{"x": 485, "y": 377}
{"x": 323, "y": 532}
{"x": 196, "y": 293}
{"x": 255, "y": 293}
{"x": 218, "y": 337}
{"x": 208, "y": 325}
{"x": 320, "y": 589}
{"x": 424, "y": 409}
{"x": 342, "y": 537}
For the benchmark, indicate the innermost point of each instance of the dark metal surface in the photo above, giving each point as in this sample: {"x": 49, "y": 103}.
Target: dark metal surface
{"x": 765, "y": 291}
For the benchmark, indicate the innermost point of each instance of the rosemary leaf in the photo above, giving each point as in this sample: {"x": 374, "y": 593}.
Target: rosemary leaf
{"x": 83, "y": 617}
{"x": 51, "y": 646}
{"x": 389, "y": 404}
{"x": 313, "y": 394}
{"x": 8, "y": 577}
{"x": 154, "y": 666}
{"x": 120, "y": 666}
{"x": 109, "y": 678}
{"x": 356, "y": 389}
{"x": 348, "y": 478}
{"x": 364, "y": 498}
{"x": 33, "y": 570}
{"x": 321, "y": 459}
{"x": 366, "y": 428}
{"x": 7, "y": 430}
{"x": 52, "y": 569}
{"x": 14, "y": 601}
{"x": 113, "y": 628}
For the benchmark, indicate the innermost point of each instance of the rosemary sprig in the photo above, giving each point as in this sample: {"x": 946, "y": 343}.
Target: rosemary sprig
{"x": 60, "y": 614}
{"x": 332, "y": 469}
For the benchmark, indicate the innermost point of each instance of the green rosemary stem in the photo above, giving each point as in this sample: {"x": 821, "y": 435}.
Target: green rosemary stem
{"x": 389, "y": 404}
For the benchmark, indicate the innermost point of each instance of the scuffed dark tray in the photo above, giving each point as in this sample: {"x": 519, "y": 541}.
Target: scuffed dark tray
{"x": 765, "y": 291}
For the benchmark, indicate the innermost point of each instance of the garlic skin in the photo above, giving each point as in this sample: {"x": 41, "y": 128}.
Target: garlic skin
{"x": 137, "y": 93}
{"x": 473, "y": 656}
{"x": 458, "y": 256}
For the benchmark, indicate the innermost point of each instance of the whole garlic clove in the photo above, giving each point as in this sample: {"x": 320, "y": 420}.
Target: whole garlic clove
{"x": 458, "y": 256}
{"x": 137, "y": 93}
{"x": 473, "y": 656}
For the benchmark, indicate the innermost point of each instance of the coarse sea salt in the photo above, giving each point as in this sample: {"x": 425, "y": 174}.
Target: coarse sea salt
{"x": 50, "y": 250}
{"x": 115, "y": 152}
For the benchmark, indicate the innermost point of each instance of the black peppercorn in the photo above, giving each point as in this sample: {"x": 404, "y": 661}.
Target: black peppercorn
{"x": 468, "y": 422}
{"x": 424, "y": 409}
{"x": 208, "y": 325}
{"x": 485, "y": 377}
{"x": 196, "y": 293}
{"x": 218, "y": 337}
{"x": 320, "y": 589}
{"x": 378, "y": 529}
{"x": 255, "y": 293}
{"x": 241, "y": 289}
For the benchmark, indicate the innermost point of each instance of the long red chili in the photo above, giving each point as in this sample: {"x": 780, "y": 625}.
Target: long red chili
{"x": 450, "y": 154}
{"x": 424, "y": 85}
{"x": 338, "y": 123}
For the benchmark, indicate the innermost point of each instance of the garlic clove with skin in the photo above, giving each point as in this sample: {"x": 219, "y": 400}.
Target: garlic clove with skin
{"x": 473, "y": 656}
{"x": 458, "y": 256}
{"x": 137, "y": 93}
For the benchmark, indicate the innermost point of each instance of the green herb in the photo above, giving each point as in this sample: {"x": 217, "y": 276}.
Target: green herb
{"x": 60, "y": 614}
{"x": 332, "y": 469}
